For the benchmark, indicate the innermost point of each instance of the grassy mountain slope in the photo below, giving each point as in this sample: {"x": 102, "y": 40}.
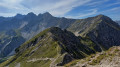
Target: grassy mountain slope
{"x": 50, "y": 47}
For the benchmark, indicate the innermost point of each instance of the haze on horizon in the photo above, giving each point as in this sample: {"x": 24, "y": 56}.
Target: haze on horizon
{"x": 62, "y": 8}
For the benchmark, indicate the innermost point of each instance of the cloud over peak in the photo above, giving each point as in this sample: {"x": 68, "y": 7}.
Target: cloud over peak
{"x": 75, "y": 8}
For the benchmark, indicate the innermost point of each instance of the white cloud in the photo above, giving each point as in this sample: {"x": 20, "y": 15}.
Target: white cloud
{"x": 12, "y": 7}
{"x": 82, "y": 15}
{"x": 93, "y": 11}
{"x": 115, "y": 9}
{"x": 95, "y": 3}
{"x": 55, "y": 7}
{"x": 65, "y": 6}
{"x": 11, "y": 4}
{"x": 116, "y": 3}
{"x": 7, "y": 14}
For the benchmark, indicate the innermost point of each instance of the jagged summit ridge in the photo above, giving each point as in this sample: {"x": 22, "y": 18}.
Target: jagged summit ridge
{"x": 33, "y": 14}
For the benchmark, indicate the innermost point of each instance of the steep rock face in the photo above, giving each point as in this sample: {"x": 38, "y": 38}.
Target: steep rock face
{"x": 9, "y": 48}
{"x": 9, "y": 41}
{"x": 70, "y": 43}
{"x": 52, "y": 46}
{"x": 106, "y": 33}
{"x": 100, "y": 29}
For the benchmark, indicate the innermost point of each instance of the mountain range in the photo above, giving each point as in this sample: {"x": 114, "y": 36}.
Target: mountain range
{"x": 25, "y": 27}
{"x": 44, "y": 40}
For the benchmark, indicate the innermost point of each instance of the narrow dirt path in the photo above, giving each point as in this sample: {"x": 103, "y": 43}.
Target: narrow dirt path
{"x": 53, "y": 61}
{"x": 17, "y": 65}
{"x": 36, "y": 59}
{"x": 52, "y": 64}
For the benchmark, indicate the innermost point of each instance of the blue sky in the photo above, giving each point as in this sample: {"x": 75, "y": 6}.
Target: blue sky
{"x": 62, "y": 8}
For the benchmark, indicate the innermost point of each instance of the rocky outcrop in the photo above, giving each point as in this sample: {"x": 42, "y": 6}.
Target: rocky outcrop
{"x": 110, "y": 58}
{"x": 67, "y": 58}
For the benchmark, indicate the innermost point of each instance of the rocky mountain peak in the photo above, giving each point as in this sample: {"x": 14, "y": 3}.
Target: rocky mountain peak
{"x": 103, "y": 17}
{"x": 47, "y": 14}
{"x": 31, "y": 14}
{"x": 19, "y": 16}
{"x": 107, "y": 20}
